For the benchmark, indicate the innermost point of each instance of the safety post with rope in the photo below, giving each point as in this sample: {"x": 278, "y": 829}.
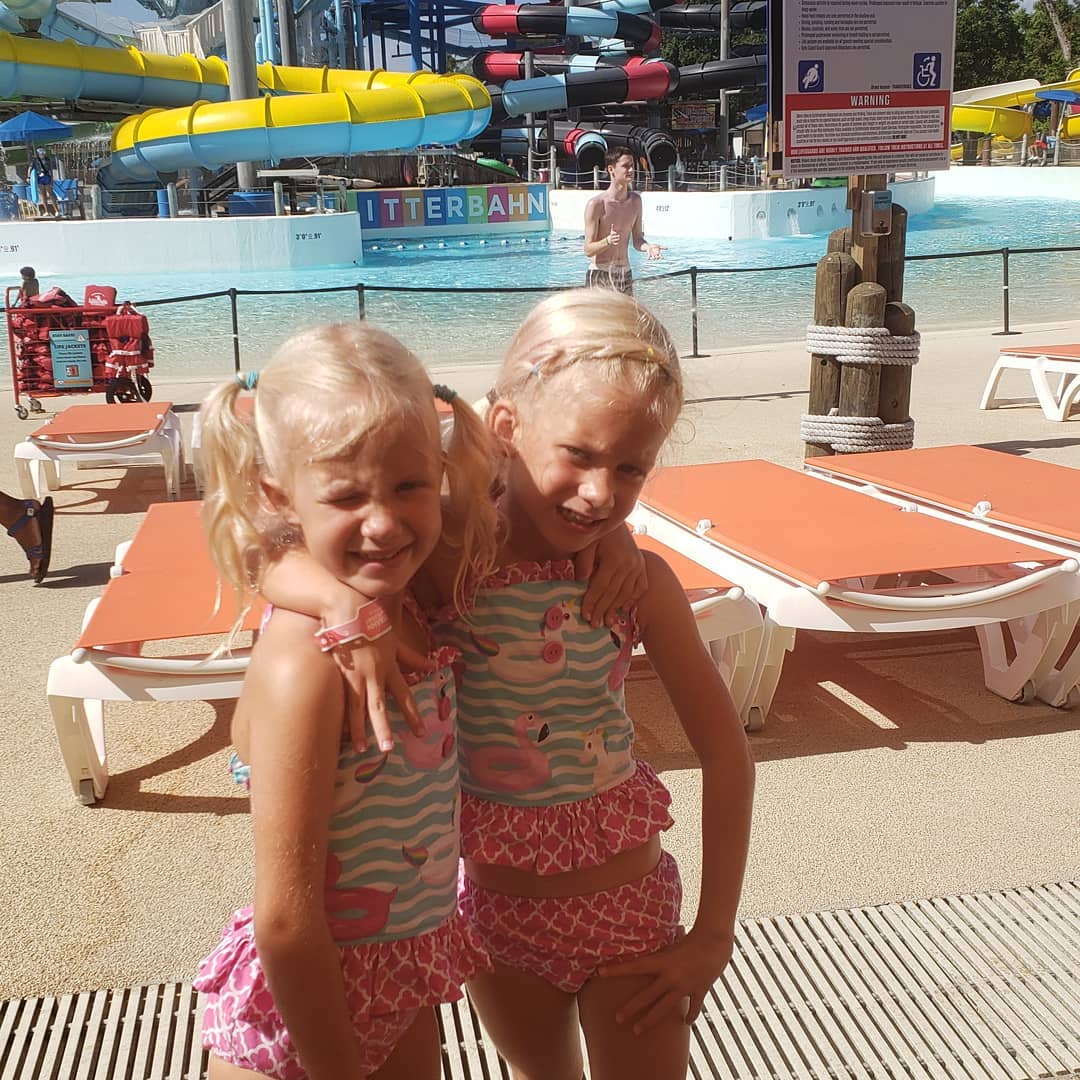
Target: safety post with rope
{"x": 863, "y": 341}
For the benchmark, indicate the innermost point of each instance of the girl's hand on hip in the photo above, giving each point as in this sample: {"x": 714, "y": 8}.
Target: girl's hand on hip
{"x": 682, "y": 972}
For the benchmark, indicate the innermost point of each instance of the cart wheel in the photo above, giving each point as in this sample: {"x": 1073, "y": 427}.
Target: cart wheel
{"x": 146, "y": 391}
{"x": 36, "y": 406}
{"x": 21, "y": 412}
{"x": 122, "y": 390}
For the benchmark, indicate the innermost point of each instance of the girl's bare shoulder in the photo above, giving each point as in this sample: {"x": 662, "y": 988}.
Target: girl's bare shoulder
{"x": 287, "y": 660}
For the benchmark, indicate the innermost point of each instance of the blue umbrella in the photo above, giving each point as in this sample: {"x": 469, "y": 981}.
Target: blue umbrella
{"x": 1066, "y": 97}
{"x": 31, "y": 127}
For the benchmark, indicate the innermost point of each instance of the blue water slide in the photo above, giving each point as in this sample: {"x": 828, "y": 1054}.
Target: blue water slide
{"x": 56, "y": 26}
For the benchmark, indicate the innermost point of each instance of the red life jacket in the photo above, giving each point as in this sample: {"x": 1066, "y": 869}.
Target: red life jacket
{"x": 130, "y": 348}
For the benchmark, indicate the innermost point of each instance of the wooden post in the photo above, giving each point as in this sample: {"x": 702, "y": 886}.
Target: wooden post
{"x": 860, "y": 383}
{"x": 840, "y": 240}
{"x": 837, "y": 275}
{"x": 894, "y": 394}
{"x": 862, "y": 289}
{"x": 890, "y": 255}
{"x": 864, "y": 249}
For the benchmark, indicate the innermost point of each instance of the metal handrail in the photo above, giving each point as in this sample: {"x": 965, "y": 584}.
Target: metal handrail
{"x": 694, "y": 273}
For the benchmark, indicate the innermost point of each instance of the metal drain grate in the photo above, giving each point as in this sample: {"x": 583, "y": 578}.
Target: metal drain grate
{"x": 984, "y": 986}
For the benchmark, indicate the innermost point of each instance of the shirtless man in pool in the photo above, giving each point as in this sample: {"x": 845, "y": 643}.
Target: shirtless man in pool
{"x": 611, "y": 220}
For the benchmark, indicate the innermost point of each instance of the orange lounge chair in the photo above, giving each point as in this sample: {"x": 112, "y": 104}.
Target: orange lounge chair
{"x": 817, "y": 556}
{"x": 1001, "y": 494}
{"x": 729, "y": 622}
{"x": 131, "y": 433}
{"x": 1040, "y": 362}
{"x": 166, "y": 588}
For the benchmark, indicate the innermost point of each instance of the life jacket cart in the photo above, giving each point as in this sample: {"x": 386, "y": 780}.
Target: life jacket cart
{"x": 58, "y": 347}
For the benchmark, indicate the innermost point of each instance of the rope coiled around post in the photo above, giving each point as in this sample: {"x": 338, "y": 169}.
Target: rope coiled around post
{"x": 862, "y": 344}
{"x": 859, "y": 345}
{"x": 856, "y": 434}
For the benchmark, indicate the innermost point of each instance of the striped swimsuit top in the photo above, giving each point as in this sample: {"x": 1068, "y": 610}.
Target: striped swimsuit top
{"x": 540, "y": 692}
{"x": 392, "y": 862}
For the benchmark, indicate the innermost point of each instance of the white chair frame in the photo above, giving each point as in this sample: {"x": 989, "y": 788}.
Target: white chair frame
{"x": 1041, "y": 598}
{"x": 38, "y": 460}
{"x": 1056, "y": 403}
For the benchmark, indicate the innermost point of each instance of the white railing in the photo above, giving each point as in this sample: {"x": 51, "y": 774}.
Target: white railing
{"x": 201, "y": 35}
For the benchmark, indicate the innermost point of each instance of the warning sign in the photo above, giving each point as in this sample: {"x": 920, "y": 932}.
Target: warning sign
{"x": 867, "y": 85}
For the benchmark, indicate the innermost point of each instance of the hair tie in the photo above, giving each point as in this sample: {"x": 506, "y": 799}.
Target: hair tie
{"x": 247, "y": 379}
{"x": 444, "y": 393}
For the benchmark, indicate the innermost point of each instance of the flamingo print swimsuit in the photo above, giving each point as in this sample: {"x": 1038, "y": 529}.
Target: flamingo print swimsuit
{"x": 391, "y": 891}
{"x": 549, "y": 781}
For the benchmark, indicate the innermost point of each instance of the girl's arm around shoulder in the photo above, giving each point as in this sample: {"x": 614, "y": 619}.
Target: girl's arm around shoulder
{"x": 290, "y": 693}
{"x": 295, "y": 581}
{"x": 708, "y": 715}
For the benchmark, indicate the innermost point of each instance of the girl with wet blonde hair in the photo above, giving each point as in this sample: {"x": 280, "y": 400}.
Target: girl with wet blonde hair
{"x": 565, "y": 878}
{"x": 621, "y": 342}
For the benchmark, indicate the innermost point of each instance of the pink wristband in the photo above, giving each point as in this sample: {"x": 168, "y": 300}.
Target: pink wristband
{"x": 368, "y": 624}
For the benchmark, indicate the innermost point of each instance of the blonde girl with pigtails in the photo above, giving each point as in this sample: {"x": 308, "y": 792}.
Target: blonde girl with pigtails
{"x": 353, "y": 936}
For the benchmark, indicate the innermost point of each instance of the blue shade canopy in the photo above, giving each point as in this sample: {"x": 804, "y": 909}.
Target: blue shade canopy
{"x": 1067, "y": 97}
{"x": 757, "y": 113}
{"x": 29, "y": 127}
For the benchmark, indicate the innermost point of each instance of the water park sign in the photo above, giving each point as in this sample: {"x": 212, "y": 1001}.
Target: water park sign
{"x": 866, "y": 85}
{"x": 455, "y": 210}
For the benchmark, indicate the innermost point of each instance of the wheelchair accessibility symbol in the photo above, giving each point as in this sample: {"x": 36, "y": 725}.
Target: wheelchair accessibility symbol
{"x": 926, "y": 74}
{"x": 811, "y": 76}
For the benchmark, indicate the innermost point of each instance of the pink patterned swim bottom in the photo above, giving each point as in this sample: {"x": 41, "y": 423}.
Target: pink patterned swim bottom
{"x": 386, "y": 985}
{"x": 566, "y": 939}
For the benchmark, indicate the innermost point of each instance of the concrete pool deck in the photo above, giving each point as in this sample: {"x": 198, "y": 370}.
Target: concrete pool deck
{"x": 885, "y": 771}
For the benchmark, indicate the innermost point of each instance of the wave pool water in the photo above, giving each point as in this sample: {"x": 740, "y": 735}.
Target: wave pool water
{"x": 444, "y": 329}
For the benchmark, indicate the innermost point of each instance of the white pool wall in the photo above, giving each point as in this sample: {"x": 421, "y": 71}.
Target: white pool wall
{"x": 741, "y": 215}
{"x": 103, "y": 249}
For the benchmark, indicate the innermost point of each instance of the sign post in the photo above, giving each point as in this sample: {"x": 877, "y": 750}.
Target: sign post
{"x": 864, "y": 91}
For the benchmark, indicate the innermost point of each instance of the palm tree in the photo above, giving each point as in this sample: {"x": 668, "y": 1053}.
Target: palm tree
{"x": 1059, "y": 31}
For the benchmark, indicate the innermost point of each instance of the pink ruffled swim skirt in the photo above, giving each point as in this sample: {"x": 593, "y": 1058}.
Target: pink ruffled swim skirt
{"x": 387, "y": 983}
{"x": 566, "y": 939}
{"x": 552, "y": 839}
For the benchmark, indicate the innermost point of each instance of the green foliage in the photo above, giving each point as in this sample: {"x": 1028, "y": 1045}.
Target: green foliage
{"x": 688, "y": 48}
{"x": 1042, "y": 49}
{"x": 998, "y": 41}
{"x": 989, "y": 43}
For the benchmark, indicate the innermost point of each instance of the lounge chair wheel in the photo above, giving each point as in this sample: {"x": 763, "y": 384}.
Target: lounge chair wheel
{"x": 86, "y": 792}
{"x": 755, "y": 718}
{"x": 21, "y": 412}
{"x": 122, "y": 389}
{"x": 1027, "y": 693}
